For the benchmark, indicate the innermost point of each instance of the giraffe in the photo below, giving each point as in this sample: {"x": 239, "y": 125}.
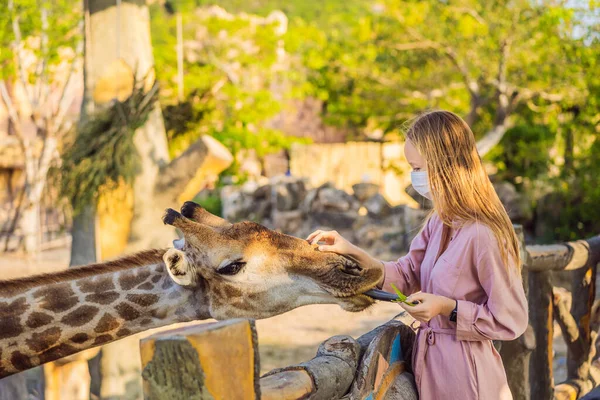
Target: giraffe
{"x": 217, "y": 270}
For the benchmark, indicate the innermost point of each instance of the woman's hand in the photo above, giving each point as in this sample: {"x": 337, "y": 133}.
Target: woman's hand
{"x": 333, "y": 242}
{"x": 429, "y": 306}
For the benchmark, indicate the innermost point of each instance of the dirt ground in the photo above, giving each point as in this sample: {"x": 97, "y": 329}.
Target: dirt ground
{"x": 283, "y": 340}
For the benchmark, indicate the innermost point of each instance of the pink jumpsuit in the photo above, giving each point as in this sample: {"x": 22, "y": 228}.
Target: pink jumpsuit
{"x": 457, "y": 360}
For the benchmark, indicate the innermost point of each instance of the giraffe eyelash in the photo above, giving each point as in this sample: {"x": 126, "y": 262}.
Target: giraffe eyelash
{"x": 232, "y": 268}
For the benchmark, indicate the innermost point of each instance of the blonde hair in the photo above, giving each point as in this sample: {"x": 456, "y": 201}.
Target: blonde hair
{"x": 460, "y": 187}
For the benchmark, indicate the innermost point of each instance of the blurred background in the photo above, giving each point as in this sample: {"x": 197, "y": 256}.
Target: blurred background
{"x": 288, "y": 113}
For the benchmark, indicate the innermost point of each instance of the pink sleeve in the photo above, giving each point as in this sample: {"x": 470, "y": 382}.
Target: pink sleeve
{"x": 504, "y": 315}
{"x": 405, "y": 273}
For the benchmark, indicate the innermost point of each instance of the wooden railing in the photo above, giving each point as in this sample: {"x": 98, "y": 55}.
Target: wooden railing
{"x": 221, "y": 359}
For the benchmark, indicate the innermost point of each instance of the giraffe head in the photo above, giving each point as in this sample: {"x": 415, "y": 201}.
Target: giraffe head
{"x": 250, "y": 271}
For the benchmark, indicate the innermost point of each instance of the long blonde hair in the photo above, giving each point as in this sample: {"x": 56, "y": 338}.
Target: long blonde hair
{"x": 460, "y": 187}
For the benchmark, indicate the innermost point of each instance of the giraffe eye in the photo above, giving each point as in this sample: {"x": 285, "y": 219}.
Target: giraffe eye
{"x": 232, "y": 268}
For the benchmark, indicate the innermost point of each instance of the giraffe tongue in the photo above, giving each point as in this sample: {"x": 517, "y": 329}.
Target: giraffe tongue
{"x": 178, "y": 244}
{"x": 381, "y": 295}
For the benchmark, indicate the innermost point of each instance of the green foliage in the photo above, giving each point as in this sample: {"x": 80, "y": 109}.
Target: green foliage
{"x": 523, "y": 152}
{"x": 228, "y": 81}
{"x": 47, "y": 30}
{"x": 211, "y": 202}
{"x": 374, "y": 65}
{"x": 103, "y": 154}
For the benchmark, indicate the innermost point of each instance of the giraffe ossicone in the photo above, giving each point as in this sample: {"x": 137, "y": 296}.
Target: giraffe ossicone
{"x": 217, "y": 270}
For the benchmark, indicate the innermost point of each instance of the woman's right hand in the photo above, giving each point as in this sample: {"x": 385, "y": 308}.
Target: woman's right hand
{"x": 334, "y": 242}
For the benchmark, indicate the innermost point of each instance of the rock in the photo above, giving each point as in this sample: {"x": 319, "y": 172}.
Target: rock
{"x": 424, "y": 202}
{"x": 331, "y": 199}
{"x": 235, "y": 203}
{"x": 377, "y": 206}
{"x": 333, "y": 219}
{"x": 516, "y": 204}
{"x": 290, "y": 193}
{"x": 364, "y": 191}
{"x": 289, "y": 222}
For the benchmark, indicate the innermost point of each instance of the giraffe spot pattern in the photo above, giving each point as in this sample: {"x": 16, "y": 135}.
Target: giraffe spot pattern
{"x": 96, "y": 284}
{"x": 146, "y": 321}
{"x": 54, "y": 353}
{"x": 156, "y": 278}
{"x": 107, "y": 323}
{"x": 143, "y": 300}
{"x": 81, "y": 316}
{"x": 123, "y": 332}
{"x": 10, "y": 327}
{"x": 56, "y": 298}
{"x": 38, "y": 319}
{"x": 130, "y": 279}
{"x": 80, "y": 338}
{"x": 44, "y": 340}
{"x": 102, "y": 339}
{"x": 167, "y": 283}
{"x": 16, "y": 307}
{"x": 146, "y": 286}
{"x": 102, "y": 298}
{"x": 20, "y": 361}
{"x": 10, "y": 317}
{"x": 127, "y": 312}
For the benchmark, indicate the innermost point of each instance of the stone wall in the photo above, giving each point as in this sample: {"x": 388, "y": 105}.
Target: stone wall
{"x": 293, "y": 206}
{"x": 345, "y": 164}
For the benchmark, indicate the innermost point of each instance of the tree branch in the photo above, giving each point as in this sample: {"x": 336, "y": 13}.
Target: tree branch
{"x": 41, "y": 67}
{"x": 562, "y": 304}
{"x": 204, "y": 157}
{"x": 12, "y": 112}
{"x": 59, "y": 116}
{"x": 18, "y": 51}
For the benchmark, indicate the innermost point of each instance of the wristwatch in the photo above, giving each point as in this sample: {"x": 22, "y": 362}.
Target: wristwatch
{"x": 453, "y": 313}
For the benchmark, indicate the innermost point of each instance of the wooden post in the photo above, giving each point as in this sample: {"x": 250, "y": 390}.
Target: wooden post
{"x": 541, "y": 376}
{"x": 205, "y": 361}
{"x": 516, "y": 353}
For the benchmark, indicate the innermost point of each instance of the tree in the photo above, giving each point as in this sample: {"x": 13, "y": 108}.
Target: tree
{"x": 36, "y": 88}
{"x": 118, "y": 53}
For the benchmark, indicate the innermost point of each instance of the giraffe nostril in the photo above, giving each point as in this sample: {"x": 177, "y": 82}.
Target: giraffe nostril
{"x": 352, "y": 269}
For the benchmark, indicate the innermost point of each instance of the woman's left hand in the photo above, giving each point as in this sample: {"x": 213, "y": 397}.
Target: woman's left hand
{"x": 429, "y": 306}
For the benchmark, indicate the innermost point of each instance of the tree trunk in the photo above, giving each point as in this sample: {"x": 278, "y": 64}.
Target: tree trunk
{"x": 117, "y": 47}
{"x": 29, "y": 224}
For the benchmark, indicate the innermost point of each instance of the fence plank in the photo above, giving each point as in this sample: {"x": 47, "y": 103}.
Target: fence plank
{"x": 516, "y": 353}
{"x": 540, "y": 314}
{"x": 218, "y": 360}
{"x": 567, "y": 256}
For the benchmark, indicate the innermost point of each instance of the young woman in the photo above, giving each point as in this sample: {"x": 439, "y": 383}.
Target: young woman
{"x": 462, "y": 268}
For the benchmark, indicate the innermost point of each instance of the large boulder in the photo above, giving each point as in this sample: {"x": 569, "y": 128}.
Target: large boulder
{"x": 424, "y": 202}
{"x": 377, "y": 206}
{"x": 364, "y": 191}
{"x": 516, "y": 204}
{"x": 289, "y": 193}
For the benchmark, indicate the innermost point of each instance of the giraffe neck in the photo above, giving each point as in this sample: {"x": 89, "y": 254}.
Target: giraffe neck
{"x": 48, "y": 321}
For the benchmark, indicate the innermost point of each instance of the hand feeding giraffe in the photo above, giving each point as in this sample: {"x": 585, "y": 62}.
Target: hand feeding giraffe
{"x": 218, "y": 270}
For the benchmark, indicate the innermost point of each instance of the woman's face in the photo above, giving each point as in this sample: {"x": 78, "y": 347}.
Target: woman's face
{"x": 414, "y": 158}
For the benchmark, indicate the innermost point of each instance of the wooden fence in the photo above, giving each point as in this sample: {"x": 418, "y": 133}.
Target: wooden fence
{"x": 221, "y": 359}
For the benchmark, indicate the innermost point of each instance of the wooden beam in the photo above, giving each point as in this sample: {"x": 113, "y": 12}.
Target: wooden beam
{"x": 218, "y": 360}
{"x": 579, "y": 362}
{"x": 567, "y": 256}
{"x": 516, "y": 353}
{"x": 287, "y": 385}
{"x": 330, "y": 373}
{"x": 540, "y": 315}
{"x": 185, "y": 176}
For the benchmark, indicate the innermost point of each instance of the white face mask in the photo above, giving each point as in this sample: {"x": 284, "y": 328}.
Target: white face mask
{"x": 420, "y": 182}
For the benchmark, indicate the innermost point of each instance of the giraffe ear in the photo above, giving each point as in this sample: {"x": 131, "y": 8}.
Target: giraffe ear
{"x": 179, "y": 268}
